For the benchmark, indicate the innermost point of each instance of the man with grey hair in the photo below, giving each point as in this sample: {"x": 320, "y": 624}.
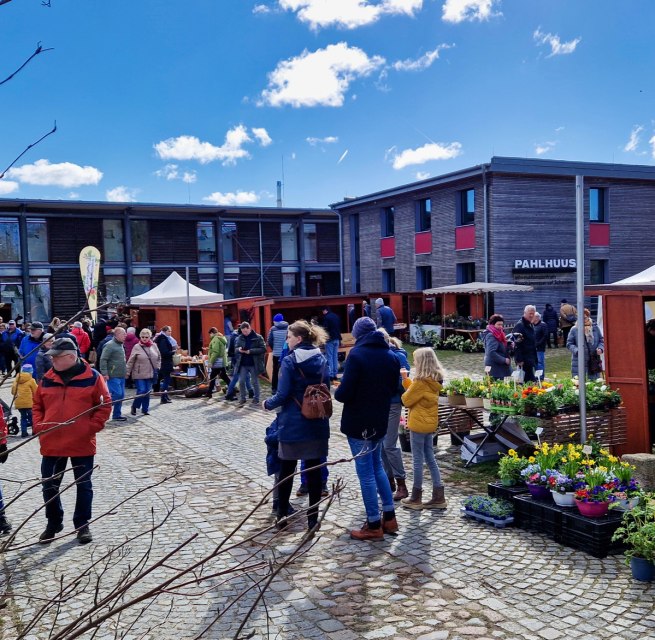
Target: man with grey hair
{"x": 113, "y": 368}
{"x": 541, "y": 338}
{"x": 525, "y": 351}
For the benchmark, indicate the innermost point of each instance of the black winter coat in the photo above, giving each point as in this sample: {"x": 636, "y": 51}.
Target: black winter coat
{"x": 550, "y": 317}
{"x": 332, "y": 325}
{"x": 526, "y": 349}
{"x": 541, "y": 335}
{"x": 166, "y": 350}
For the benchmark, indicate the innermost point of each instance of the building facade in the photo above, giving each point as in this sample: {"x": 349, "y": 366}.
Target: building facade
{"x": 239, "y": 251}
{"x": 508, "y": 221}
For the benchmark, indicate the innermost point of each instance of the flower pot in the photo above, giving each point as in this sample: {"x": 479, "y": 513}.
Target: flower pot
{"x": 457, "y": 399}
{"x": 538, "y": 492}
{"x": 564, "y": 499}
{"x": 626, "y": 505}
{"x": 473, "y": 403}
{"x": 486, "y": 403}
{"x": 642, "y": 569}
{"x": 592, "y": 509}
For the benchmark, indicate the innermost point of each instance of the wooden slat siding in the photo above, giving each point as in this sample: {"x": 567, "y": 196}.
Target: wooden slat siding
{"x": 67, "y": 237}
{"x": 348, "y": 278}
{"x": 249, "y": 282}
{"x": 327, "y": 236}
{"x": 68, "y": 294}
{"x": 248, "y": 238}
{"x": 271, "y": 242}
{"x": 157, "y": 276}
{"x": 173, "y": 241}
{"x": 272, "y": 281}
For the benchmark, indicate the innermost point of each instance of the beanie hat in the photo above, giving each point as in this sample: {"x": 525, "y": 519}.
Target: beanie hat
{"x": 278, "y": 317}
{"x": 379, "y": 302}
{"x": 27, "y": 368}
{"x": 363, "y": 326}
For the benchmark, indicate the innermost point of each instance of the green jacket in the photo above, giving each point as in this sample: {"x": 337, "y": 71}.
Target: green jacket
{"x": 112, "y": 360}
{"x": 217, "y": 349}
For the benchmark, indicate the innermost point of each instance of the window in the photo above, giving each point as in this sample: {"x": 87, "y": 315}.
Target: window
{"x": 389, "y": 280}
{"x": 37, "y": 241}
{"x": 289, "y": 241}
{"x": 11, "y": 293}
{"x": 423, "y": 215}
{"x": 290, "y": 284}
{"x": 115, "y": 288}
{"x": 309, "y": 242}
{"x": 140, "y": 284}
{"x": 229, "y": 243}
{"x": 597, "y": 209}
{"x": 387, "y": 222}
{"x": 598, "y": 271}
{"x": 206, "y": 242}
{"x": 423, "y": 278}
{"x": 112, "y": 233}
{"x": 9, "y": 240}
{"x": 140, "y": 246}
{"x": 40, "y": 299}
{"x": 208, "y": 281}
{"x": 465, "y": 205}
{"x": 465, "y": 272}
{"x": 231, "y": 286}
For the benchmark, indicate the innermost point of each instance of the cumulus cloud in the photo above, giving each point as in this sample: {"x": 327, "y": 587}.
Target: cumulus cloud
{"x": 635, "y": 137}
{"x": 423, "y": 62}
{"x": 422, "y": 175}
{"x": 468, "y": 10}
{"x": 348, "y": 14}
{"x": 430, "y": 151}
{"x": 557, "y": 47}
{"x": 318, "y": 78}
{"x": 8, "y": 186}
{"x": 327, "y": 140}
{"x": 63, "y": 174}
{"x": 191, "y": 148}
{"x": 169, "y": 172}
{"x": 261, "y": 9}
{"x": 121, "y": 194}
{"x": 231, "y": 199}
{"x": 262, "y": 136}
{"x": 189, "y": 177}
{"x": 544, "y": 147}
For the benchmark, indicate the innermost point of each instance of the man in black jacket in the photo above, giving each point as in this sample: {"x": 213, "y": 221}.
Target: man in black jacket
{"x": 525, "y": 351}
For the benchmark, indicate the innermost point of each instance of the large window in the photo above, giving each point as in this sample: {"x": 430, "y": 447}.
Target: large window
{"x": 140, "y": 284}
{"x": 115, "y": 288}
{"x": 229, "y": 242}
{"x": 114, "y": 245}
{"x": 289, "y": 241}
{"x": 423, "y": 278}
{"x": 9, "y": 240}
{"x": 231, "y": 288}
{"x": 37, "y": 241}
{"x": 598, "y": 271}
{"x": 387, "y": 222}
{"x": 597, "y": 208}
{"x": 290, "y": 284}
{"x": 423, "y": 215}
{"x": 310, "y": 243}
{"x": 40, "y": 299}
{"x": 389, "y": 280}
{"x": 140, "y": 246}
{"x": 465, "y": 207}
{"x": 465, "y": 272}
{"x": 206, "y": 242}
{"x": 208, "y": 281}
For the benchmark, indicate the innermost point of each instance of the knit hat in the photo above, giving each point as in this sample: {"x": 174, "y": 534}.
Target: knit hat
{"x": 379, "y": 302}
{"x": 278, "y": 317}
{"x": 27, "y": 368}
{"x": 363, "y": 326}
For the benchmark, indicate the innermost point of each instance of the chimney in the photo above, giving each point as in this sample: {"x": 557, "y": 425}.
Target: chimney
{"x": 279, "y": 193}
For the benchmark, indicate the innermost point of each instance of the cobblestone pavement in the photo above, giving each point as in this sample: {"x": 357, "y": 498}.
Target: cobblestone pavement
{"x": 441, "y": 577}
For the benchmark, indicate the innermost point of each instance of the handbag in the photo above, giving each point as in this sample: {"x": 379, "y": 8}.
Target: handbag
{"x": 519, "y": 375}
{"x": 316, "y": 401}
{"x": 595, "y": 364}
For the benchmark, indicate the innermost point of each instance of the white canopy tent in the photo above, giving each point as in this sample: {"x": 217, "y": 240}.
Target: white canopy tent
{"x": 647, "y": 276}
{"x": 478, "y": 287}
{"x": 174, "y": 292}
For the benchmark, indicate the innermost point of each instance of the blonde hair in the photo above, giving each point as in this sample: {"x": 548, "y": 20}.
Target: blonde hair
{"x": 390, "y": 340}
{"x": 427, "y": 365}
{"x": 309, "y": 332}
{"x": 145, "y": 333}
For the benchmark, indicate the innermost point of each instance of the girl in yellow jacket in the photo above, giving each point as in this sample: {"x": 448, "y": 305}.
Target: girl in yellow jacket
{"x": 422, "y": 399}
{"x": 23, "y": 390}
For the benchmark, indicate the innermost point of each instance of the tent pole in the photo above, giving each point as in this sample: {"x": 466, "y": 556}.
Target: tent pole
{"x": 188, "y": 313}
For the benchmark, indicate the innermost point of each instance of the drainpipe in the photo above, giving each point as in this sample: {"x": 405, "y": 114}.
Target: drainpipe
{"x": 485, "y": 217}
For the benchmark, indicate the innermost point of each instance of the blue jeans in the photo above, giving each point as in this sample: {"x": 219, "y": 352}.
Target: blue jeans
{"x": 541, "y": 362}
{"x": 142, "y": 386}
{"x": 372, "y": 477}
{"x": 392, "y": 458}
{"x": 25, "y": 420}
{"x": 331, "y": 350}
{"x": 423, "y": 451}
{"x": 82, "y": 469}
{"x": 116, "y": 388}
{"x": 244, "y": 373}
{"x": 233, "y": 383}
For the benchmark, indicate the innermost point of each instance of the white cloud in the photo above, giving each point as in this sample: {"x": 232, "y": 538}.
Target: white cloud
{"x": 191, "y": 148}
{"x": 261, "y": 9}
{"x": 343, "y": 156}
{"x": 421, "y": 63}
{"x": 121, "y": 194}
{"x": 262, "y": 136}
{"x": 8, "y": 186}
{"x": 468, "y": 10}
{"x": 430, "y": 151}
{"x": 318, "y": 78}
{"x": 169, "y": 172}
{"x": 63, "y": 174}
{"x": 633, "y": 142}
{"x": 652, "y": 145}
{"x": 348, "y": 14}
{"x": 557, "y": 47}
{"x": 230, "y": 198}
{"x": 73, "y": 195}
{"x": 422, "y": 175}
{"x": 189, "y": 177}
{"x": 544, "y": 147}
{"x": 327, "y": 140}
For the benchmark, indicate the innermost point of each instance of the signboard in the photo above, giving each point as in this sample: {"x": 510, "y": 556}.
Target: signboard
{"x": 90, "y": 272}
{"x": 548, "y": 272}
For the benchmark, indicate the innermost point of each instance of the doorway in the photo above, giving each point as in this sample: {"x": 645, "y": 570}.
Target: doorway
{"x": 196, "y": 332}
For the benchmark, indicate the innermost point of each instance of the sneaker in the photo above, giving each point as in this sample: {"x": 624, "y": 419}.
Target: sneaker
{"x": 133, "y": 411}
{"x": 119, "y": 419}
{"x": 302, "y": 490}
{"x": 50, "y": 532}
{"x": 84, "y": 535}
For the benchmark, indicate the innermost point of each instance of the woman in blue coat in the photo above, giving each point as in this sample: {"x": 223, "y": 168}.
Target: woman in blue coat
{"x": 300, "y": 438}
{"x": 496, "y": 351}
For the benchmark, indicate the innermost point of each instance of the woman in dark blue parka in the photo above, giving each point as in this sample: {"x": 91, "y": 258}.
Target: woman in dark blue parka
{"x": 300, "y": 438}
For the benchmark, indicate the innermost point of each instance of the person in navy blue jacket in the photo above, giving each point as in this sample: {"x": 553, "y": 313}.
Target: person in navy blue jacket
{"x": 370, "y": 381}
{"x": 300, "y": 438}
{"x": 386, "y": 316}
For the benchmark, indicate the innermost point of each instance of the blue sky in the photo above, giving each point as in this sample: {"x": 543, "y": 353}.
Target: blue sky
{"x": 213, "y": 101}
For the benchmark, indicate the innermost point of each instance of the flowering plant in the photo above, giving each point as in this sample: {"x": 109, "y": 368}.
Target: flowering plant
{"x": 562, "y": 483}
{"x": 533, "y": 474}
{"x": 626, "y": 486}
{"x": 510, "y": 466}
{"x": 598, "y": 486}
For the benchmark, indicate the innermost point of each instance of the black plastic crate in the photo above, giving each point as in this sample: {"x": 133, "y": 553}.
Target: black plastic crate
{"x": 538, "y": 515}
{"x": 592, "y": 535}
{"x": 499, "y": 490}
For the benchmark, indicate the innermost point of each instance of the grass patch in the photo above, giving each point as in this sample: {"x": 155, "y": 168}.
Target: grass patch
{"x": 475, "y": 476}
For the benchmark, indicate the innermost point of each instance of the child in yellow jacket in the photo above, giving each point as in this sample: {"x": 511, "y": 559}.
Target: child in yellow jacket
{"x": 23, "y": 390}
{"x": 422, "y": 399}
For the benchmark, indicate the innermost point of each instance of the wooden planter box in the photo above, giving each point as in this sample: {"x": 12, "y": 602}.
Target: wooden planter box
{"x": 609, "y": 428}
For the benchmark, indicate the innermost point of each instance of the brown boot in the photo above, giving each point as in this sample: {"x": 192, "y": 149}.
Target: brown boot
{"x": 438, "y": 501}
{"x": 367, "y": 534}
{"x": 392, "y": 483}
{"x": 390, "y": 526}
{"x": 402, "y": 490}
{"x": 414, "y": 501}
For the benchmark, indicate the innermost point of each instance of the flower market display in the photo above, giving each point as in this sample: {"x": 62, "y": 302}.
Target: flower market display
{"x": 492, "y": 510}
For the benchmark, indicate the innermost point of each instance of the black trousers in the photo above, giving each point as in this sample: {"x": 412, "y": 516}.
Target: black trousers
{"x": 217, "y": 372}
{"x": 276, "y": 373}
{"x": 565, "y": 333}
{"x": 287, "y": 469}
{"x": 552, "y": 333}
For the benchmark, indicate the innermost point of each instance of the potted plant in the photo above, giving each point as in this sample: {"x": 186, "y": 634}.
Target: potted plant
{"x": 637, "y": 531}
{"x": 454, "y": 389}
{"x": 594, "y": 497}
{"x": 510, "y": 467}
{"x": 628, "y": 491}
{"x": 473, "y": 392}
{"x": 540, "y": 466}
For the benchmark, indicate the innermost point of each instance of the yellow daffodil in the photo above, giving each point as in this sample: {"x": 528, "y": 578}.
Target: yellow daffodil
{"x": 531, "y": 459}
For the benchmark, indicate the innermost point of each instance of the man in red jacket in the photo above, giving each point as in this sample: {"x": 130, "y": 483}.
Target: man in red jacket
{"x": 70, "y": 388}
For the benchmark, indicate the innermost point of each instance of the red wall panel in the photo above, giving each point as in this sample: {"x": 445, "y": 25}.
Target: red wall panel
{"x": 423, "y": 242}
{"x": 388, "y": 248}
{"x": 599, "y": 234}
{"x": 465, "y": 237}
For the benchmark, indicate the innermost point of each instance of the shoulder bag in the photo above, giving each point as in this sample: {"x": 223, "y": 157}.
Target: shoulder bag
{"x": 316, "y": 401}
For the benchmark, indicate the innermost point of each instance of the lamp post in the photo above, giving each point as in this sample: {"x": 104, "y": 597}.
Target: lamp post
{"x": 582, "y": 361}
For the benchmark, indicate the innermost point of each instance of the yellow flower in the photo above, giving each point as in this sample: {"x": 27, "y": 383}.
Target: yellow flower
{"x": 564, "y": 460}
{"x": 531, "y": 459}
{"x": 571, "y": 434}
{"x": 604, "y": 452}
{"x": 511, "y": 453}
{"x": 612, "y": 459}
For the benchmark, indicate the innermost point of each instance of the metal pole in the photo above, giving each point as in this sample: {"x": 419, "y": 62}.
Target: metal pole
{"x": 582, "y": 360}
{"x": 188, "y": 312}
{"x": 261, "y": 259}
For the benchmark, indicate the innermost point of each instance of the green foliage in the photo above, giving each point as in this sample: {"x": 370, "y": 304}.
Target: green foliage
{"x": 637, "y": 530}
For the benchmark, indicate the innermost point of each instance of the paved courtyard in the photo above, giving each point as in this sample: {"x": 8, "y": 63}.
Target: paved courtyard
{"x": 441, "y": 577}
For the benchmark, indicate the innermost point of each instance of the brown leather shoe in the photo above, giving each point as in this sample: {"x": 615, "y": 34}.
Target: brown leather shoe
{"x": 367, "y": 534}
{"x": 390, "y": 526}
{"x": 402, "y": 490}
